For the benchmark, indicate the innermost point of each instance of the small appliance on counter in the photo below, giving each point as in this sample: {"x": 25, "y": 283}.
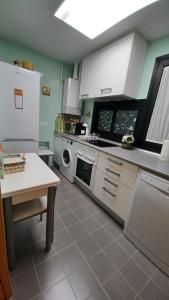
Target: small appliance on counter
{"x": 75, "y": 128}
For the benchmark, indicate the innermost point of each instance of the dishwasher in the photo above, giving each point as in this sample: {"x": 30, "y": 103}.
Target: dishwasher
{"x": 147, "y": 224}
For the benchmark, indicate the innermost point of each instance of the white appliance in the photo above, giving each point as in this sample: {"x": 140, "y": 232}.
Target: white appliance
{"x": 71, "y": 103}
{"x": 68, "y": 150}
{"x": 19, "y": 108}
{"x": 147, "y": 225}
{"x": 85, "y": 165}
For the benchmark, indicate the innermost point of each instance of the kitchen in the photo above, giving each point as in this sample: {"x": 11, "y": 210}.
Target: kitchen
{"x": 105, "y": 265}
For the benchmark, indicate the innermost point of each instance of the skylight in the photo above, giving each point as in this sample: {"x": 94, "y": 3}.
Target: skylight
{"x": 93, "y": 17}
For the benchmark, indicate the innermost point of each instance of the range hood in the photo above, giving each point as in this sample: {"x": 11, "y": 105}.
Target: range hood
{"x": 71, "y": 104}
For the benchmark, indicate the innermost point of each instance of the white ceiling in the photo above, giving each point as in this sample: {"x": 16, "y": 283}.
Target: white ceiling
{"x": 32, "y": 23}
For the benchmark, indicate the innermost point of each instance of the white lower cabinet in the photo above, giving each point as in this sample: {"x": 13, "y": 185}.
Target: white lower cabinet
{"x": 114, "y": 183}
{"x": 57, "y": 149}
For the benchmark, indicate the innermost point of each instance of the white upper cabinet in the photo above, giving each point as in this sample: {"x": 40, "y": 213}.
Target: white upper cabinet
{"x": 114, "y": 70}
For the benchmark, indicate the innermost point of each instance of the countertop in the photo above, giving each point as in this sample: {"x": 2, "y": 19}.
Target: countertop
{"x": 144, "y": 159}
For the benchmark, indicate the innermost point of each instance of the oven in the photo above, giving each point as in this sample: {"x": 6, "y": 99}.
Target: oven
{"x": 85, "y": 166}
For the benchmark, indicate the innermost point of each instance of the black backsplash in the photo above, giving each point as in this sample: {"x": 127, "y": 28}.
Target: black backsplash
{"x": 113, "y": 119}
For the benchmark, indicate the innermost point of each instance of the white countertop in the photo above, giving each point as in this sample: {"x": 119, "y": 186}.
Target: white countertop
{"x": 143, "y": 159}
{"x": 36, "y": 174}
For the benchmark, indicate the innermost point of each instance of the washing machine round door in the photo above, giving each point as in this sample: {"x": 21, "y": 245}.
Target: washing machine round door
{"x": 66, "y": 157}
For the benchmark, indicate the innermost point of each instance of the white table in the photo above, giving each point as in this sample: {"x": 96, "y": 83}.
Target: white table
{"x": 36, "y": 181}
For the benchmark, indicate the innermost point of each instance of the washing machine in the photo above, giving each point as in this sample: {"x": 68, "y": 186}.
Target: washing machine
{"x": 68, "y": 150}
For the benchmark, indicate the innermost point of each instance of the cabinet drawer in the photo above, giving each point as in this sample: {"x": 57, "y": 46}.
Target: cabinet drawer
{"x": 114, "y": 194}
{"x": 105, "y": 195}
{"x": 116, "y": 164}
{"x": 101, "y": 180}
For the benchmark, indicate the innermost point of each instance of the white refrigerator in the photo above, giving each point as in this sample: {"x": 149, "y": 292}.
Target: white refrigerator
{"x": 19, "y": 109}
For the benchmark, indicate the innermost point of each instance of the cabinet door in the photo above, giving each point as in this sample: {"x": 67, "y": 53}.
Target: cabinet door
{"x": 113, "y": 66}
{"x": 89, "y": 77}
{"x": 104, "y": 72}
{"x": 57, "y": 149}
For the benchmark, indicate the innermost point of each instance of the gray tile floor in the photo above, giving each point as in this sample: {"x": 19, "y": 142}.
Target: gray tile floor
{"x": 90, "y": 258}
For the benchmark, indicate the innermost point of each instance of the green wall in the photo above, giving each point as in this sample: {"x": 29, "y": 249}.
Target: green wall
{"x": 156, "y": 48}
{"x": 51, "y": 68}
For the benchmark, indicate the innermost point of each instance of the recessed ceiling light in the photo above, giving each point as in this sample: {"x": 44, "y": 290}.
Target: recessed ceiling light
{"x": 92, "y": 17}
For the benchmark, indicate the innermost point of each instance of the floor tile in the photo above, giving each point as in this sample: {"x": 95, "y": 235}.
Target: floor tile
{"x": 98, "y": 295}
{"x": 69, "y": 219}
{"x": 103, "y": 218}
{"x": 24, "y": 262}
{"x": 62, "y": 240}
{"x": 83, "y": 213}
{"x": 70, "y": 259}
{"x": 25, "y": 286}
{"x": 59, "y": 199}
{"x": 36, "y": 230}
{"x": 114, "y": 229}
{"x": 49, "y": 272}
{"x": 116, "y": 255}
{"x": 151, "y": 291}
{"x": 144, "y": 263}
{"x": 62, "y": 208}
{"x": 84, "y": 199}
{"x": 88, "y": 246}
{"x": 83, "y": 282}
{"x": 58, "y": 224}
{"x": 61, "y": 291}
{"x": 118, "y": 289}
{"x": 102, "y": 237}
{"x": 101, "y": 266}
{"x": 38, "y": 251}
{"x": 77, "y": 231}
{"x": 39, "y": 297}
{"x": 21, "y": 236}
{"x": 68, "y": 195}
{"x": 161, "y": 280}
{"x": 134, "y": 275}
{"x": 91, "y": 224}
{"x": 126, "y": 245}
{"x": 74, "y": 204}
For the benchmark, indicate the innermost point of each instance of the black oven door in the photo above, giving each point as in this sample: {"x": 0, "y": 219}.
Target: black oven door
{"x": 84, "y": 170}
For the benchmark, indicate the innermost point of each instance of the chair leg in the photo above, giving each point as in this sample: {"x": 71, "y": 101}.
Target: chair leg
{"x": 41, "y": 217}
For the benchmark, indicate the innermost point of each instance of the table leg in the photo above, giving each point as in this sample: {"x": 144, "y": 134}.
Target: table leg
{"x": 9, "y": 232}
{"x": 50, "y": 217}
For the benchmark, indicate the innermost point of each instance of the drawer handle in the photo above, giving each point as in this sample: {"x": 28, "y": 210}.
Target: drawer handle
{"x": 117, "y": 174}
{"x": 114, "y": 195}
{"x": 106, "y": 90}
{"x": 84, "y": 95}
{"x": 115, "y": 184}
{"x": 115, "y": 162}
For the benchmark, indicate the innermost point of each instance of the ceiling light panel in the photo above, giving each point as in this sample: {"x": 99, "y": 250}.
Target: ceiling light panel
{"x": 93, "y": 17}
